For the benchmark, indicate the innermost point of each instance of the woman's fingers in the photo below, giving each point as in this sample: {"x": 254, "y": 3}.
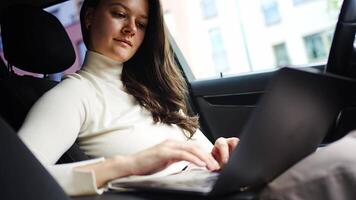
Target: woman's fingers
{"x": 178, "y": 155}
{"x": 161, "y": 155}
{"x": 232, "y": 143}
{"x": 223, "y": 148}
{"x": 194, "y": 150}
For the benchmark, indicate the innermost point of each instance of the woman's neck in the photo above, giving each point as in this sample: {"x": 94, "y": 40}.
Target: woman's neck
{"x": 102, "y": 66}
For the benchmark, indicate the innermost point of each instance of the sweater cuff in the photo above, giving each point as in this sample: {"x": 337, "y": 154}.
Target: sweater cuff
{"x": 75, "y": 182}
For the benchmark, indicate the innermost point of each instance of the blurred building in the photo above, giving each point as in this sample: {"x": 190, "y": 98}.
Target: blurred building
{"x": 234, "y": 36}
{"x": 237, "y": 36}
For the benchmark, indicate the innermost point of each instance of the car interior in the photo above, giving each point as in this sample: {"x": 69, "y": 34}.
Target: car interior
{"x": 54, "y": 53}
{"x": 342, "y": 62}
{"x": 234, "y": 98}
{"x": 223, "y": 104}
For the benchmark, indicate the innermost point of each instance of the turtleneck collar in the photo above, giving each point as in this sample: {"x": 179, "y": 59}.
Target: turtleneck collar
{"x": 102, "y": 66}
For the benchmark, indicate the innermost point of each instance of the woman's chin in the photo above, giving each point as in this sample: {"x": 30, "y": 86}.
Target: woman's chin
{"x": 119, "y": 57}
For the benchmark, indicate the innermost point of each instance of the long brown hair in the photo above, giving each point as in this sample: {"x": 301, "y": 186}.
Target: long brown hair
{"x": 151, "y": 75}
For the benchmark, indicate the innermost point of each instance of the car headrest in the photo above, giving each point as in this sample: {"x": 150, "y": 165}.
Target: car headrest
{"x": 35, "y": 41}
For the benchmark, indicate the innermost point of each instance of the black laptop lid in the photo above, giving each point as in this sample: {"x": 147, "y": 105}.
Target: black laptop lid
{"x": 289, "y": 123}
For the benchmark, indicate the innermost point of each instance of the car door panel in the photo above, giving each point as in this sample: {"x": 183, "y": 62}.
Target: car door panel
{"x": 224, "y": 105}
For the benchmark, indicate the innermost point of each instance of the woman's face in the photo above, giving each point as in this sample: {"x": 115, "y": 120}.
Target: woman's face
{"x": 117, "y": 27}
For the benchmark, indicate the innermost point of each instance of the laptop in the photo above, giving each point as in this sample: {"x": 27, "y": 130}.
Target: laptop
{"x": 292, "y": 118}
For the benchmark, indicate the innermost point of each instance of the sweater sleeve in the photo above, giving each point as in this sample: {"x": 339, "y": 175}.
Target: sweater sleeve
{"x": 202, "y": 141}
{"x": 52, "y": 126}
{"x": 75, "y": 182}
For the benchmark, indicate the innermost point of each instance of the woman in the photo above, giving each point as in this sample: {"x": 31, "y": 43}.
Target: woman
{"x": 126, "y": 104}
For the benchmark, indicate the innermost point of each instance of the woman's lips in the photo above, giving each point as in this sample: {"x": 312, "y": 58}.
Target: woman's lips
{"x": 126, "y": 42}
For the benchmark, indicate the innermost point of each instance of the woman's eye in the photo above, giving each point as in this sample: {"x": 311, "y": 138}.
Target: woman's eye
{"x": 141, "y": 25}
{"x": 119, "y": 14}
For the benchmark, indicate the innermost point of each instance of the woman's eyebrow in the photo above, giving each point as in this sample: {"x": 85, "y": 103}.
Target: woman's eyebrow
{"x": 126, "y": 8}
{"x": 119, "y": 4}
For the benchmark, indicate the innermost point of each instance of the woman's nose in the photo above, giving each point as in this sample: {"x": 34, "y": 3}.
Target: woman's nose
{"x": 129, "y": 28}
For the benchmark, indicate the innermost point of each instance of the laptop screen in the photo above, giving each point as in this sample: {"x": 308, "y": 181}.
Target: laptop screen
{"x": 289, "y": 123}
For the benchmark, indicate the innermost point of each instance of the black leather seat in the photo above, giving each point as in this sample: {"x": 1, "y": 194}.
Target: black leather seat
{"x": 33, "y": 41}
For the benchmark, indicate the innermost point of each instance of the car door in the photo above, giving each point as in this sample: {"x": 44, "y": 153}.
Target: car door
{"x": 288, "y": 33}
{"x": 224, "y": 104}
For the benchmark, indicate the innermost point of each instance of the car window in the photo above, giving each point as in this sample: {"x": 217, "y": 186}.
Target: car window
{"x": 221, "y": 38}
{"x": 229, "y": 37}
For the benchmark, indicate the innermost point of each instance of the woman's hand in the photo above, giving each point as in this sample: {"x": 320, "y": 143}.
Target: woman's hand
{"x": 162, "y": 155}
{"x": 159, "y": 157}
{"x": 150, "y": 160}
{"x": 223, "y": 148}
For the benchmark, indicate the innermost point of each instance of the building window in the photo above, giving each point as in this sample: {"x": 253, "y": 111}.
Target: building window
{"x": 221, "y": 63}
{"x": 329, "y": 37}
{"x": 270, "y": 11}
{"x": 281, "y": 54}
{"x": 209, "y": 9}
{"x": 315, "y": 47}
{"x": 218, "y": 51}
{"x": 296, "y": 2}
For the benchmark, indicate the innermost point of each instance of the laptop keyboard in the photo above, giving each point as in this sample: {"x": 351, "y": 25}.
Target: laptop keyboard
{"x": 195, "y": 180}
{"x": 191, "y": 178}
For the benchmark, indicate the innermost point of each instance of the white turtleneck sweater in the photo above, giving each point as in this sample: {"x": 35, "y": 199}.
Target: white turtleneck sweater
{"x": 92, "y": 106}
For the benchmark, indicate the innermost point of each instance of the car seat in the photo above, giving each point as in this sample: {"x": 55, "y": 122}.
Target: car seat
{"x": 34, "y": 41}
{"x": 3, "y": 70}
